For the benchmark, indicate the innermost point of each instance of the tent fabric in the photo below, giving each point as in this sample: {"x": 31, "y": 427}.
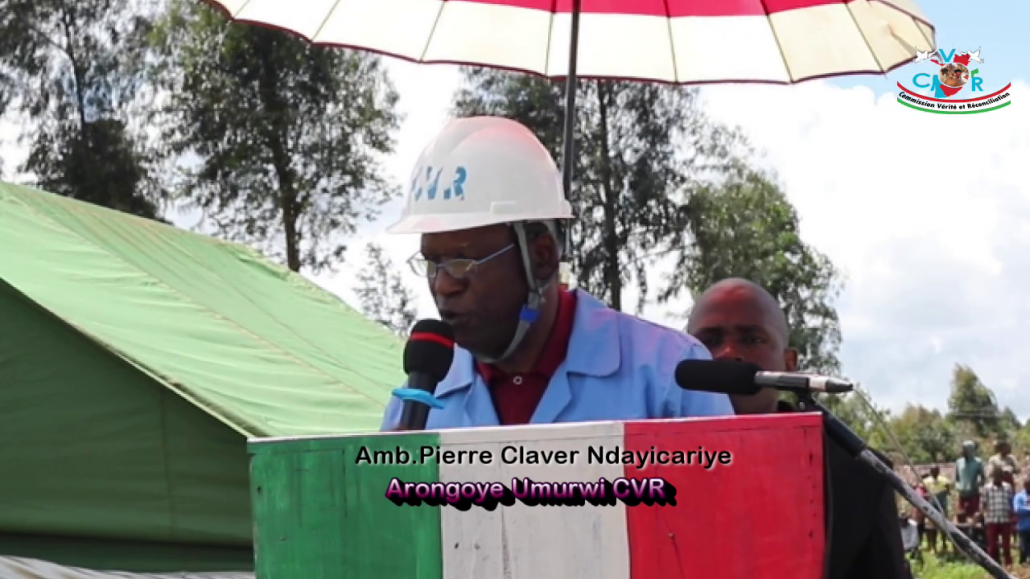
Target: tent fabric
{"x": 253, "y": 344}
{"x": 20, "y": 568}
{"x": 138, "y": 556}
{"x": 135, "y": 360}
{"x": 103, "y": 451}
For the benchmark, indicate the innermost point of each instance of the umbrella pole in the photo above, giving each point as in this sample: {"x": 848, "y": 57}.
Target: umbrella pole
{"x": 569, "y": 141}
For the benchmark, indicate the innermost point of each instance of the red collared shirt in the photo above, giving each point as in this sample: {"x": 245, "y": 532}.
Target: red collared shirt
{"x": 516, "y": 397}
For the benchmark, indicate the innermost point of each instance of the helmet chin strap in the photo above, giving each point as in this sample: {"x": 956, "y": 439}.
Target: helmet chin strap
{"x": 531, "y": 310}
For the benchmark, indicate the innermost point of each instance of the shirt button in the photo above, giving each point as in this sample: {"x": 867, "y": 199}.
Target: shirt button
{"x": 517, "y": 380}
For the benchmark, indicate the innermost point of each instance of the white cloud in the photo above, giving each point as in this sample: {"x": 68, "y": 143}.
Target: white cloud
{"x": 926, "y": 214}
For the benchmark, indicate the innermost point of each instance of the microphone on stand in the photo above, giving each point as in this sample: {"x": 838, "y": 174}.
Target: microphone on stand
{"x": 427, "y": 360}
{"x": 726, "y": 377}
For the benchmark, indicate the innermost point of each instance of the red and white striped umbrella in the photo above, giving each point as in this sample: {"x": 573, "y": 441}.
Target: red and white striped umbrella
{"x": 677, "y": 41}
{"x": 674, "y": 41}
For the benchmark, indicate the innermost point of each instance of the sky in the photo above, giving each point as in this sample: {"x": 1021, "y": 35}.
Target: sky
{"x": 927, "y": 216}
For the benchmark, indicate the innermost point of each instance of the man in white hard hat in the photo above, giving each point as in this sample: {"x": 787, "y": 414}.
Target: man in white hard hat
{"x": 487, "y": 200}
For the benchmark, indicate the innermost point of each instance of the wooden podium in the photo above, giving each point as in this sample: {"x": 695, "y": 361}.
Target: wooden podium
{"x": 749, "y": 505}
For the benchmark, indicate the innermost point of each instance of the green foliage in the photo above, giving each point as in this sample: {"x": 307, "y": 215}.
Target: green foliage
{"x": 74, "y": 69}
{"x": 745, "y": 227}
{"x": 1021, "y": 439}
{"x": 972, "y": 407}
{"x": 929, "y": 436}
{"x": 382, "y": 293}
{"x": 284, "y": 139}
{"x": 925, "y": 435}
{"x": 642, "y": 150}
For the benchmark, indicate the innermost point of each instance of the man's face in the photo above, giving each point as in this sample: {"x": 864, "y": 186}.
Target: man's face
{"x": 735, "y": 325}
{"x": 934, "y": 472}
{"x": 484, "y": 307}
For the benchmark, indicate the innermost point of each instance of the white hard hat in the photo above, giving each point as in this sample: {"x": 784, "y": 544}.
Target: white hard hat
{"x": 482, "y": 171}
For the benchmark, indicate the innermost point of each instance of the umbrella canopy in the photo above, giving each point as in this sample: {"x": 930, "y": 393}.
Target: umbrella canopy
{"x": 672, "y": 41}
{"x": 676, "y": 41}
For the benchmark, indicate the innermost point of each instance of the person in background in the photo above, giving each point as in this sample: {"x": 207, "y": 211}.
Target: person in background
{"x": 910, "y": 541}
{"x": 738, "y": 320}
{"x": 979, "y": 531}
{"x": 969, "y": 478}
{"x": 963, "y": 524}
{"x": 972, "y": 527}
{"x": 918, "y": 517}
{"x": 1003, "y": 459}
{"x": 909, "y": 533}
{"x": 939, "y": 488}
{"x": 997, "y": 500}
{"x": 487, "y": 200}
{"x": 1022, "y": 511}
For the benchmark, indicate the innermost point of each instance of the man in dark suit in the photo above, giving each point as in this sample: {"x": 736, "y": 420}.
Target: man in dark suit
{"x": 738, "y": 320}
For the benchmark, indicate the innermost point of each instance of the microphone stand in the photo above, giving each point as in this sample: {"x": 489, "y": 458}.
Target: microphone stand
{"x": 856, "y": 447}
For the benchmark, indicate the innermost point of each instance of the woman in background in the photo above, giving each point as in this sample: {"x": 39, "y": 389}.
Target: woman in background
{"x": 918, "y": 517}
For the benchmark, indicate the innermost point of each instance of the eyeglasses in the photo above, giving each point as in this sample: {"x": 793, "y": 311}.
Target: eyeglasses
{"x": 456, "y": 268}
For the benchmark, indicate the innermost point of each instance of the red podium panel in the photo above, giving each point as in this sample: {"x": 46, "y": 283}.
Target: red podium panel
{"x": 761, "y": 517}
{"x": 748, "y": 502}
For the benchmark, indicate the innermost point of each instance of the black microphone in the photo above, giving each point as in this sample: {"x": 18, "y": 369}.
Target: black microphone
{"x": 427, "y": 360}
{"x": 728, "y": 377}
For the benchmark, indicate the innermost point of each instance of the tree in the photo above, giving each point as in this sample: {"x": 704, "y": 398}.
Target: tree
{"x": 642, "y": 149}
{"x": 1021, "y": 440}
{"x": 745, "y": 227}
{"x": 925, "y": 435}
{"x": 382, "y": 293}
{"x": 74, "y": 68}
{"x": 971, "y": 405}
{"x": 1008, "y": 421}
{"x": 282, "y": 139}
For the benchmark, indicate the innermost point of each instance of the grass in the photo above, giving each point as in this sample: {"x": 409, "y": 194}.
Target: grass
{"x": 935, "y": 568}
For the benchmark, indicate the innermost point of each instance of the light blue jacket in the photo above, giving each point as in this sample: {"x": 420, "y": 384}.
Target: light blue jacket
{"x": 1022, "y": 510}
{"x": 618, "y": 367}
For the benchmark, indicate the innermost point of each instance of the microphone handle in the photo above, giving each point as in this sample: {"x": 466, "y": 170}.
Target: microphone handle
{"x": 415, "y": 414}
{"x": 722, "y": 387}
{"x": 783, "y": 381}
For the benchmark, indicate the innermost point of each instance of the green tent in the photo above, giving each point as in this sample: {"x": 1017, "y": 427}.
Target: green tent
{"x": 135, "y": 360}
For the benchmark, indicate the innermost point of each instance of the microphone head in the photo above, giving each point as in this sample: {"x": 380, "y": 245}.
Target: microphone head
{"x": 430, "y": 349}
{"x": 721, "y": 376}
